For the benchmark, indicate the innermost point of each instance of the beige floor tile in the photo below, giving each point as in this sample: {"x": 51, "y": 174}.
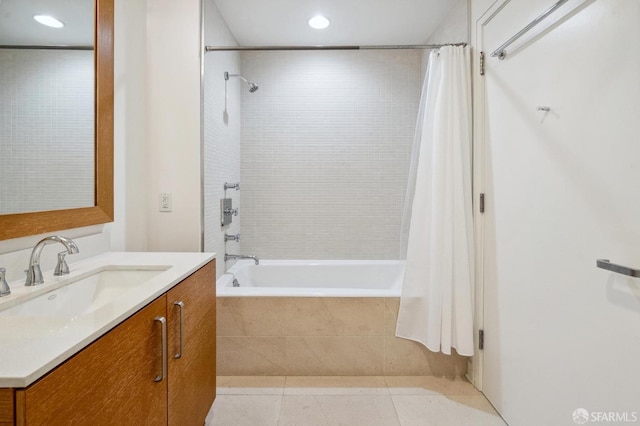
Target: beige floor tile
{"x": 335, "y": 385}
{"x": 250, "y": 385}
{"x": 437, "y": 410}
{"x": 245, "y": 410}
{"x": 479, "y": 402}
{"x": 302, "y": 410}
{"x": 329, "y": 402}
{"x": 429, "y": 385}
{"x": 338, "y": 410}
{"x": 335, "y": 356}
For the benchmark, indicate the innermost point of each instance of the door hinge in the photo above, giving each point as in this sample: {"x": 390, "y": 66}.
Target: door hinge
{"x": 481, "y": 63}
{"x": 481, "y": 203}
{"x": 481, "y": 339}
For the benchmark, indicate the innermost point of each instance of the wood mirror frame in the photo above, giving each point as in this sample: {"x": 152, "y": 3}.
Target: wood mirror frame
{"x": 25, "y": 224}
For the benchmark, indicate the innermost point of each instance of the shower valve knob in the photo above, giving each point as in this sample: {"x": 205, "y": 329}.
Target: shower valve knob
{"x": 235, "y": 186}
{"x": 231, "y": 212}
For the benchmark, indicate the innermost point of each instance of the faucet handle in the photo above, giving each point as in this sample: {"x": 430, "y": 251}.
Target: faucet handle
{"x": 231, "y": 212}
{"x": 61, "y": 268}
{"x": 235, "y": 186}
{"x": 235, "y": 237}
{"x": 4, "y": 287}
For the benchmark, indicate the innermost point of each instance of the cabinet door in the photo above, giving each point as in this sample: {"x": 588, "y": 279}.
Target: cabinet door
{"x": 192, "y": 375}
{"x": 110, "y": 382}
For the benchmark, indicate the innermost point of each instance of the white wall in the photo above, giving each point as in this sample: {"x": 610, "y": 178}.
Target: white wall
{"x": 326, "y": 143}
{"x": 221, "y": 135}
{"x": 561, "y": 334}
{"x": 46, "y": 130}
{"x": 454, "y": 28}
{"x": 173, "y": 124}
{"x": 130, "y": 138}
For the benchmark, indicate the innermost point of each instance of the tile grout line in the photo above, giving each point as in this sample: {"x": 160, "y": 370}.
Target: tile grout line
{"x": 386, "y": 382}
{"x": 281, "y": 401}
{"x": 395, "y": 409}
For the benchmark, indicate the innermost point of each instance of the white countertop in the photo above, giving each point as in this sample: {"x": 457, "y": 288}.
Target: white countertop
{"x": 31, "y": 347}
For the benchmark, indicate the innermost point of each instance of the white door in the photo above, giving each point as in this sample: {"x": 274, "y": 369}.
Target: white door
{"x": 562, "y": 190}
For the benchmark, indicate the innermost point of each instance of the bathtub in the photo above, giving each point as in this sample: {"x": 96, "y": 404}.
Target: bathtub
{"x": 313, "y": 278}
{"x": 318, "y": 318}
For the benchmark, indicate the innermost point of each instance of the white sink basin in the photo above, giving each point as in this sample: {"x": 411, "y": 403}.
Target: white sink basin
{"x": 85, "y": 294}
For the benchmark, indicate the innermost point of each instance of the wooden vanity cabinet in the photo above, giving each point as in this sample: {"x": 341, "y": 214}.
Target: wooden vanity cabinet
{"x": 109, "y": 382}
{"x": 116, "y": 379}
{"x": 192, "y": 367}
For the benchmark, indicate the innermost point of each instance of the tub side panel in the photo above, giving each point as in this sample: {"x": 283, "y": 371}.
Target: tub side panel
{"x": 321, "y": 336}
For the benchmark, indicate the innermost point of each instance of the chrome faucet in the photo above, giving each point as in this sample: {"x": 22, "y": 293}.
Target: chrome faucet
{"x": 34, "y": 274}
{"x": 228, "y": 257}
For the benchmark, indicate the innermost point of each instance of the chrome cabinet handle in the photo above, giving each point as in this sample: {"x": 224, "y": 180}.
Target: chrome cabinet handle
{"x": 163, "y": 323}
{"x": 181, "y": 306}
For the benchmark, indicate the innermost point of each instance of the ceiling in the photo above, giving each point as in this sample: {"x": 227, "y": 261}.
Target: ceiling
{"x": 353, "y": 22}
{"x": 252, "y": 22}
{"x": 17, "y": 26}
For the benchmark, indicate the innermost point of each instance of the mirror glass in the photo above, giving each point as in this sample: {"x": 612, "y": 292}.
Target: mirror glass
{"x": 47, "y": 106}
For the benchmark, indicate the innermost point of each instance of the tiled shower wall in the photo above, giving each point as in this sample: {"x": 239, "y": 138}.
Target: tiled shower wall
{"x": 46, "y": 128}
{"x": 326, "y": 144}
{"x": 221, "y": 136}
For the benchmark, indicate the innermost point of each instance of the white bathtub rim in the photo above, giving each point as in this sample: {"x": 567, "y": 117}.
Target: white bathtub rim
{"x": 284, "y": 262}
{"x": 225, "y": 289}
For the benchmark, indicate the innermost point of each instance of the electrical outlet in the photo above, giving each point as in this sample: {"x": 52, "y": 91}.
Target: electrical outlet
{"x": 166, "y": 202}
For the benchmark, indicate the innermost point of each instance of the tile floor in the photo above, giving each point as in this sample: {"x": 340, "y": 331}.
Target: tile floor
{"x": 349, "y": 401}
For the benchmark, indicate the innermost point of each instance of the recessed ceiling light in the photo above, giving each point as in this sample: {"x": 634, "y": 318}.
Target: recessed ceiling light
{"x": 49, "y": 21}
{"x": 319, "y": 22}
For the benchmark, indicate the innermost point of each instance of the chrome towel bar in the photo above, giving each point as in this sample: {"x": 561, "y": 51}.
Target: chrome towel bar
{"x": 501, "y": 53}
{"x": 624, "y": 270}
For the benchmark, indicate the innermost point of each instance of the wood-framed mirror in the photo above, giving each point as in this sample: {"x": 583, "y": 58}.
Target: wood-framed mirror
{"x": 33, "y": 223}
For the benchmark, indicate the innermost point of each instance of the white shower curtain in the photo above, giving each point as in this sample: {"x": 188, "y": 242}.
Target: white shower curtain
{"x": 436, "y": 308}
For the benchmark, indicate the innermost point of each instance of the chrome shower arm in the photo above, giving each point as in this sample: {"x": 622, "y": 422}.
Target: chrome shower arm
{"x": 227, "y": 76}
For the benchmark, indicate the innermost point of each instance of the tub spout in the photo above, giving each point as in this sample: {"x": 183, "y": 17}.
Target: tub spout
{"x": 228, "y": 257}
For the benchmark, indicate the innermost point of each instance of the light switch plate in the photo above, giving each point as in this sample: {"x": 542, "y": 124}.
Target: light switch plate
{"x": 166, "y": 202}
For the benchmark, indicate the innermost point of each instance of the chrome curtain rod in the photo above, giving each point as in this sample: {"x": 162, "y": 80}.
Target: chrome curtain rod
{"x": 33, "y": 47}
{"x": 400, "y": 46}
{"x": 501, "y": 53}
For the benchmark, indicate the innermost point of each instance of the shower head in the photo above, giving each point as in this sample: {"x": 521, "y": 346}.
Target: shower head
{"x": 252, "y": 86}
